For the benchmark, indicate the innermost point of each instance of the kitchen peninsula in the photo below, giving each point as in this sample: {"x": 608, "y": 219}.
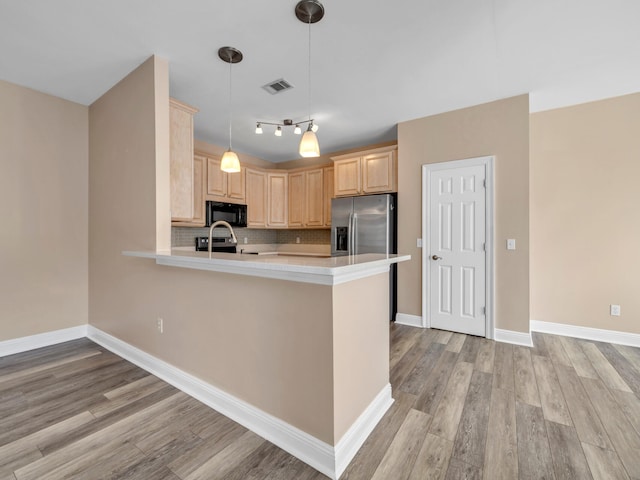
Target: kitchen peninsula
{"x": 295, "y": 349}
{"x": 303, "y": 341}
{"x": 294, "y": 267}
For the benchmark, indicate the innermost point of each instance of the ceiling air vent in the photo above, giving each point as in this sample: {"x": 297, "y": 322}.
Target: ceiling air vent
{"x": 277, "y": 86}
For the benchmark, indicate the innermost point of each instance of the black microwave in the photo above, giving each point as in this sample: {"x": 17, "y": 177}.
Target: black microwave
{"x": 233, "y": 213}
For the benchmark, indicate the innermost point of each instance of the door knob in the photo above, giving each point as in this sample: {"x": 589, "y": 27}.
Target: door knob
{"x": 436, "y": 257}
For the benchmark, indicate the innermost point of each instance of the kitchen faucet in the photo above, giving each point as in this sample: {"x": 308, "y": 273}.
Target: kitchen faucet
{"x": 224, "y": 224}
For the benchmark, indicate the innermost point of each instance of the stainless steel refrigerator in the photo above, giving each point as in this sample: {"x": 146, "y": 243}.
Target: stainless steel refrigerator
{"x": 366, "y": 224}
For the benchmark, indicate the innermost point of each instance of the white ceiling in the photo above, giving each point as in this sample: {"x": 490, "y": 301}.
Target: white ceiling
{"x": 374, "y": 63}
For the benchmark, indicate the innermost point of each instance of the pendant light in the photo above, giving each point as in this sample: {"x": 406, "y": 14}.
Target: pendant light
{"x": 230, "y": 162}
{"x": 309, "y": 11}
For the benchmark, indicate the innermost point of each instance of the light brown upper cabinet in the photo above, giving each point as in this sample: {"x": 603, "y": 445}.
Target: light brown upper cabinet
{"x": 223, "y": 186}
{"x": 366, "y": 172}
{"x": 199, "y": 187}
{"x": 199, "y": 182}
{"x": 256, "y": 197}
{"x": 181, "y": 161}
{"x": 306, "y": 198}
{"x": 296, "y": 199}
{"x": 277, "y": 195}
{"x": 314, "y": 204}
{"x": 347, "y": 177}
{"x": 328, "y": 194}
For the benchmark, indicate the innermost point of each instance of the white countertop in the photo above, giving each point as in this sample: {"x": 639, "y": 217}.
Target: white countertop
{"x": 296, "y": 268}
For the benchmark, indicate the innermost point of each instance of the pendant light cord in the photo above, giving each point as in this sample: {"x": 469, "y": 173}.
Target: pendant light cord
{"x": 309, "y": 72}
{"x": 230, "y": 113}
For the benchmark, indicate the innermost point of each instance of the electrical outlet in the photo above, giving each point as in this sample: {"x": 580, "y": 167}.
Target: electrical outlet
{"x": 160, "y": 325}
{"x": 246, "y": 240}
{"x": 614, "y": 310}
{"x": 297, "y": 239}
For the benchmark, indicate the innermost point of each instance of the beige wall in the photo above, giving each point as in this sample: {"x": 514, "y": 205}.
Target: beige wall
{"x": 585, "y": 220}
{"x": 360, "y": 344}
{"x": 498, "y": 128}
{"x": 268, "y": 342}
{"x": 43, "y": 206}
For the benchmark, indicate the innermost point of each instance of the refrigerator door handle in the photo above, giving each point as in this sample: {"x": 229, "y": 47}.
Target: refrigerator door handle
{"x": 350, "y": 235}
{"x": 355, "y": 233}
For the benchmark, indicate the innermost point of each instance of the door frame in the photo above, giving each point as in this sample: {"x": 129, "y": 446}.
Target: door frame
{"x": 427, "y": 169}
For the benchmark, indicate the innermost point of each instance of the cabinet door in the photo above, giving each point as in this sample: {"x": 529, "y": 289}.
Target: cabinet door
{"x": 328, "y": 195}
{"x": 199, "y": 187}
{"x": 256, "y": 198}
{"x": 236, "y": 185}
{"x": 216, "y": 178}
{"x": 181, "y": 162}
{"x": 347, "y": 176}
{"x": 314, "y": 198}
{"x": 296, "y": 199}
{"x": 378, "y": 172}
{"x": 277, "y": 199}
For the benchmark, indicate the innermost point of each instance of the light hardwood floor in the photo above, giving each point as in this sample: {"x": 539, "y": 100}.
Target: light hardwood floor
{"x": 465, "y": 407}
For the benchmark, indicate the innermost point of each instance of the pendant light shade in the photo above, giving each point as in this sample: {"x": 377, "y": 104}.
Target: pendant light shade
{"x": 309, "y": 145}
{"x": 230, "y": 162}
{"x": 309, "y": 11}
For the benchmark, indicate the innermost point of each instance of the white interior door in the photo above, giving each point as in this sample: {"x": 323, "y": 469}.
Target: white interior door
{"x": 456, "y": 249}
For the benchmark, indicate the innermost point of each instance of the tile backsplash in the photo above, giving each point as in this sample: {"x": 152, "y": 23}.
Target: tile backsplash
{"x": 184, "y": 236}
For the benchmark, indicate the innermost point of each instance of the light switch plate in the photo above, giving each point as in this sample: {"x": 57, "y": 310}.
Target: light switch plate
{"x": 511, "y": 243}
{"x": 419, "y": 243}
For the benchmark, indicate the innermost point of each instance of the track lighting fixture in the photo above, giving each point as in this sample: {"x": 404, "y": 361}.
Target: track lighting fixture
{"x": 297, "y": 127}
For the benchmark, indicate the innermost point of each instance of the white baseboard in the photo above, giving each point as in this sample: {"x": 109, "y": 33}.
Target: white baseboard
{"x": 24, "y": 344}
{"x": 516, "y": 338}
{"x": 351, "y": 441}
{"x": 325, "y": 458}
{"x": 505, "y": 336}
{"x": 588, "y": 333}
{"x": 410, "y": 320}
